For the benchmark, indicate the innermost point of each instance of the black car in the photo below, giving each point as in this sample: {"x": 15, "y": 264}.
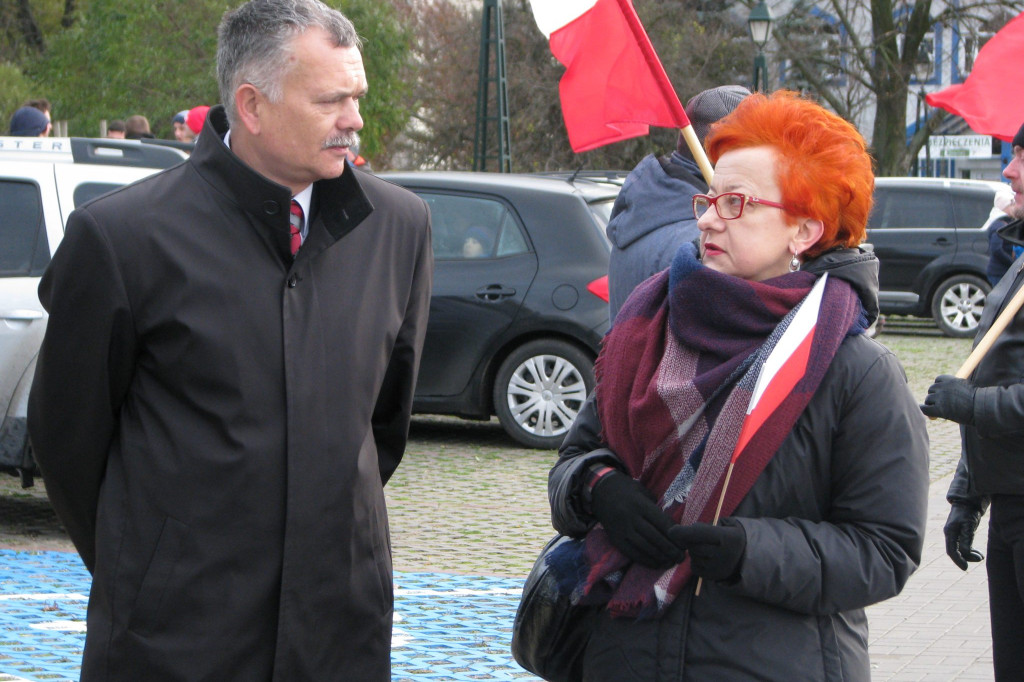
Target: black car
{"x": 932, "y": 244}
{"x": 520, "y": 298}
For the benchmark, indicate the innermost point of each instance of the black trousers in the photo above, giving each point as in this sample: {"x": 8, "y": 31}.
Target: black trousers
{"x": 1005, "y": 565}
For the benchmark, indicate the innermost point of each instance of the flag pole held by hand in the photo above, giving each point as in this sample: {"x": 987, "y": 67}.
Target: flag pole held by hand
{"x": 983, "y": 347}
{"x": 987, "y": 341}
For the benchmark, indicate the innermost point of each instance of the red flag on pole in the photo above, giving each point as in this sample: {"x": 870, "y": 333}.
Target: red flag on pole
{"x": 614, "y": 86}
{"x": 988, "y": 99}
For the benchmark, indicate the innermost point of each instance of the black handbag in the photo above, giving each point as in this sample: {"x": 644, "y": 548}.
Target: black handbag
{"x": 550, "y": 633}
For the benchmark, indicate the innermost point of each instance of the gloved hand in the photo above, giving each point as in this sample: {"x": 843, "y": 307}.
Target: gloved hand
{"x": 950, "y": 398}
{"x": 716, "y": 552}
{"x": 635, "y": 524}
{"x": 959, "y": 530}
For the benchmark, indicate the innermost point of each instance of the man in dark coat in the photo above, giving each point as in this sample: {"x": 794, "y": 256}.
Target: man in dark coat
{"x": 989, "y": 406}
{"x": 216, "y": 417}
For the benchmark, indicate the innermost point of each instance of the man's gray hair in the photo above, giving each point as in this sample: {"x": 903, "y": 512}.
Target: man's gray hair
{"x": 254, "y": 44}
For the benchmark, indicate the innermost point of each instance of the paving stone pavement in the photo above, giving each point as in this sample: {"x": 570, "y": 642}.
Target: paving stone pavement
{"x": 938, "y": 628}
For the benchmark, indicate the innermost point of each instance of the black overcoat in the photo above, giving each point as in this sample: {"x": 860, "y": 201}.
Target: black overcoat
{"x": 215, "y": 422}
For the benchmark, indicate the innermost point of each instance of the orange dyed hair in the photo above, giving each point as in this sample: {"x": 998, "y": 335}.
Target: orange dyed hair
{"x": 823, "y": 167}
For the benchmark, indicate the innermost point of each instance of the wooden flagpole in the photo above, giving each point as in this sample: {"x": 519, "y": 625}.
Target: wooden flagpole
{"x": 987, "y": 341}
{"x": 1000, "y": 323}
{"x": 698, "y": 152}
{"x": 718, "y": 512}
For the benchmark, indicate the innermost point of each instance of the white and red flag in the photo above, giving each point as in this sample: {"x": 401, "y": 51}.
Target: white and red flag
{"x": 784, "y": 367}
{"x": 614, "y": 87}
{"x": 989, "y": 99}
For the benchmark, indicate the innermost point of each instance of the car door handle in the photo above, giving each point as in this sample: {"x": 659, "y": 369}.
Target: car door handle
{"x": 495, "y": 292}
{"x": 943, "y": 241}
{"x": 21, "y": 315}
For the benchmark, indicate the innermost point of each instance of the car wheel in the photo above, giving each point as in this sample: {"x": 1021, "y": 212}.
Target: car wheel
{"x": 958, "y": 304}
{"x": 539, "y": 389}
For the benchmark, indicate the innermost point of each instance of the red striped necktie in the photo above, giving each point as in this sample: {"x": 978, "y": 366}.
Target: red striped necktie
{"x": 296, "y": 227}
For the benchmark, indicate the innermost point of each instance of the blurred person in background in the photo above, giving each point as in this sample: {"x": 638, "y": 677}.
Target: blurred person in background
{"x": 182, "y": 133}
{"x": 29, "y": 121}
{"x": 116, "y": 129}
{"x": 137, "y": 128}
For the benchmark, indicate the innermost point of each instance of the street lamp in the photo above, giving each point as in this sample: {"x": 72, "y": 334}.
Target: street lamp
{"x": 760, "y": 25}
{"x": 922, "y": 70}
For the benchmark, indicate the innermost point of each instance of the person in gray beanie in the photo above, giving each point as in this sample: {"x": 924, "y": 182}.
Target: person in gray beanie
{"x": 653, "y": 214}
{"x": 30, "y": 122}
{"x": 989, "y": 406}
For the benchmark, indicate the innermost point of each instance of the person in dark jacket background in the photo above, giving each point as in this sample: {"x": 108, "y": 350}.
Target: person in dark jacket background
{"x": 825, "y": 509}
{"x": 226, "y": 382}
{"x": 989, "y": 406}
{"x": 652, "y": 215}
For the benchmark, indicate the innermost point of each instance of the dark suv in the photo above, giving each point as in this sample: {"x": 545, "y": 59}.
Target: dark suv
{"x": 930, "y": 238}
{"x": 520, "y": 299}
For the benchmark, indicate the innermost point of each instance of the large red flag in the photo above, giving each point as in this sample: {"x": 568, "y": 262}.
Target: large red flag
{"x": 614, "y": 86}
{"x": 989, "y": 99}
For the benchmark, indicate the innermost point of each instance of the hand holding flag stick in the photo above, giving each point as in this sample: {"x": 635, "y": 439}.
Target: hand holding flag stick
{"x": 987, "y": 341}
{"x": 783, "y": 369}
{"x": 1000, "y": 323}
{"x": 614, "y": 87}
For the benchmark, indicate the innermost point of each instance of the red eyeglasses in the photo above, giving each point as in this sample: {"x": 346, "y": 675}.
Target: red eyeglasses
{"x": 728, "y": 205}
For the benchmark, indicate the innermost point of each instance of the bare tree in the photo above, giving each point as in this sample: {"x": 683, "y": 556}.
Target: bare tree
{"x": 854, "y": 53}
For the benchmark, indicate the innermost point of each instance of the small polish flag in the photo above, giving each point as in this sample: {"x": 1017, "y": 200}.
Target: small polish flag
{"x": 784, "y": 367}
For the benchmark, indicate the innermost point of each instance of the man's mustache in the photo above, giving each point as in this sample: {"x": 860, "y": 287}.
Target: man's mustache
{"x": 343, "y": 140}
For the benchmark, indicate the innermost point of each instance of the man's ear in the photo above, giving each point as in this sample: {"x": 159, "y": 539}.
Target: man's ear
{"x": 248, "y": 103}
{"x": 807, "y": 235}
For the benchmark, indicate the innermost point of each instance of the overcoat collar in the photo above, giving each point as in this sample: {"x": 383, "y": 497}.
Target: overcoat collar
{"x": 339, "y": 203}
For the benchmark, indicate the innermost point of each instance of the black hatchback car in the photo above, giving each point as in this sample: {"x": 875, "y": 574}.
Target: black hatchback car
{"x": 932, "y": 245}
{"x": 520, "y": 298}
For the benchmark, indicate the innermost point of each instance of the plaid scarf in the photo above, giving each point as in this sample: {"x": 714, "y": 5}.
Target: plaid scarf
{"x": 675, "y": 377}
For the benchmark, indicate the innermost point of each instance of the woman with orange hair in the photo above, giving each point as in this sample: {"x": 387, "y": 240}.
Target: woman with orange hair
{"x": 752, "y": 469}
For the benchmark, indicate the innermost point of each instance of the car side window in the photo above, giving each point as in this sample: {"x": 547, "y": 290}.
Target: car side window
{"x": 911, "y": 208}
{"x": 26, "y": 251}
{"x": 467, "y": 228}
{"x": 87, "y": 191}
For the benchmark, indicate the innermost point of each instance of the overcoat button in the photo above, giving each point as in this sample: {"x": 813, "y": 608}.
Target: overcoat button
{"x": 292, "y": 281}
{"x": 271, "y": 207}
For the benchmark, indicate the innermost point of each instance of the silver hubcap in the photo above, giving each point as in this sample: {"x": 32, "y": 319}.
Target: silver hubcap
{"x": 962, "y": 305}
{"x": 544, "y": 395}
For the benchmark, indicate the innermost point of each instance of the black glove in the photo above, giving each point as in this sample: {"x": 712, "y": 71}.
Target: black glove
{"x": 950, "y": 398}
{"x": 959, "y": 530}
{"x": 716, "y": 552}
{"x": 635, "y": 524}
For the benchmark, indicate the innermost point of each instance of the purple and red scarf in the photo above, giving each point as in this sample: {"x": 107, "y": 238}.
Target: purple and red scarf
{"x": 675, "y": 377}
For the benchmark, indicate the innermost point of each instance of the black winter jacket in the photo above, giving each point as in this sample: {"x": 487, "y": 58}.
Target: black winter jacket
{"x": 834, "y": 523}
{"x": 992, "y": 456}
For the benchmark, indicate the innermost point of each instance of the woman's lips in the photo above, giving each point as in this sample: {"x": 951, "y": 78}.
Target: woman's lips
{"x": 712, "y": 250}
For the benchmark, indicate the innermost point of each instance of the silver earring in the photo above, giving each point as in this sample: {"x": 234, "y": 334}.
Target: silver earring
{"x": 794, "y": 264}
